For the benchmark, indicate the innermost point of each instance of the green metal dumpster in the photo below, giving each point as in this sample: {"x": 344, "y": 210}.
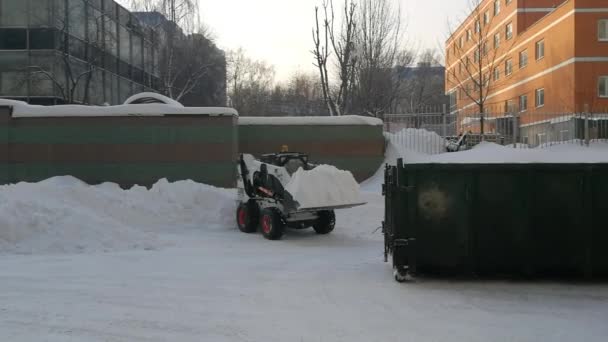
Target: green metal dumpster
{"x": 497, "y": 219}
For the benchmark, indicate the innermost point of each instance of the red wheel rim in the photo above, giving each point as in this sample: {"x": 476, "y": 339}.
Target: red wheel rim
{"x": 266, "y": 224}
{"x": 242, "y": 217}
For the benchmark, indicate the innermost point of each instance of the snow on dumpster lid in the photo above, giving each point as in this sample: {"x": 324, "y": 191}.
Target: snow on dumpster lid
{"x": 491, "y": 153}
{"x": 311, "y": 121}
{"x": 24, "y": 110}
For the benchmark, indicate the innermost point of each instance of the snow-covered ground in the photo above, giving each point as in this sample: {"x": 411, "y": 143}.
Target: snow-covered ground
{"x": 169, "y": 265}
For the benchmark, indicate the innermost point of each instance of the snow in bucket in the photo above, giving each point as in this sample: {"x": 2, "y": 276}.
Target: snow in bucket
{"x": 324, "y": 186}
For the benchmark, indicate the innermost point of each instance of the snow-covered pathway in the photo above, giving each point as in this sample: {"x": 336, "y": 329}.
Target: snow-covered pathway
{"x": 222, "y": 285}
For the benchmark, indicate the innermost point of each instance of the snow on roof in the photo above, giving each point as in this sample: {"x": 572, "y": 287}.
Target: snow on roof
{"x": 156, "y": 96}
{"x": 24, "y": 110}
{"x": 311, "y": 120}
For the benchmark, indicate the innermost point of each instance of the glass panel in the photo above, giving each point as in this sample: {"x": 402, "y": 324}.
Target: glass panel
{"x": 77, "y": 48}
{"x": 40, "y": 12}
{"x": 603, "y": 29}
{"x": 76, "y": 18}
{"x": 125, "y": 89}
{"x": 95, "y": 25}
{"x": 115, "y": 96}
{"x": 110, "y": 8}
{"x": 136, "y": 42}
{"x": 125, "y": 44}
{"x": 13, "y": 60}
{"x": 13, "y": 39}
{"x": 124, "y": 69}
{"x": 13, "y": 83}
{"x": 13, "y": 13}
{"x": 111, "y": 37}
{"x": 603, "y": 86}
{"x": 42, "y": 39}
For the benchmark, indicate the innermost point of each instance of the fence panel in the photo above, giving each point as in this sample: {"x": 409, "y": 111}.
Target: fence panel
{"x": 429, "y": 132}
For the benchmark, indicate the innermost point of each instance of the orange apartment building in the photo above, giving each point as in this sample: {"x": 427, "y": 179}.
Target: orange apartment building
{"x": 536, "y": 56}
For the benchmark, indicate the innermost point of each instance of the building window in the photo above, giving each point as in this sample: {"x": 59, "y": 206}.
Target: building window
{"x": 486, "y": 18}
{"x": 508, "y": 67}
{"x": 485, "y": 49}
{"x": 496, "y": 74}
{"x": 603, "y": 30}
{"x": 540, "y": 97}
{"x": 507, "y": 2}
{"x": 603, "y": 87}
{"x": 509, "y": 31}
{"x": 540, "y": 49}
{"x": 497, "y": 40}
{"x": 42, "y": 39}
{"x": 509, "y": 106}
{"x": 477, "y": 27}
{"x": 469, "y": 35}
{"x": 13, "y": 39}
{"x": 523, "y": 103}
{"x": 461, "y": 42}
{"x": 496, "y": 7}
{"x": 476, "y": 56}
{"x": 523, "y": 59}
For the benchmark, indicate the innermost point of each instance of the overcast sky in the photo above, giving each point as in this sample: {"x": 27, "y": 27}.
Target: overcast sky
{"x": 279, "y": 31}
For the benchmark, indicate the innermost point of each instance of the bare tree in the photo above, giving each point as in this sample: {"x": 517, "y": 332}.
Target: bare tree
{"x": 300, "y": 95}
{"x": 423, "y": 86}
{"x": 381, "y": 52}
{"x": 340, "y": 45}
{"x": 186, "y": 46}
{"x": 477, "y": 53}
{"x": 250, "y": 83}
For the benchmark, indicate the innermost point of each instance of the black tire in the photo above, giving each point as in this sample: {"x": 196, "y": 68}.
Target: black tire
{"x": 325, "y": 223}
{"x": 271, "y": 224}
{"x": 247, "y": 217}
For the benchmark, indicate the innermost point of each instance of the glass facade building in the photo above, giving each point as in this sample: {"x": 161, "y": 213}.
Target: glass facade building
{"x": 82, "y": 51}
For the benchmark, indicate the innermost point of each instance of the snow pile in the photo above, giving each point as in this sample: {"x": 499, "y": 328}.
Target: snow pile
{"x": 324, "y": 186}
{"x": 22, "y": 109}
{"x": 65, "y": 215}
{"x": 345, "y": 120}
{"x": 418, "y": 140}
{"x": 491, "y": 153}
{"x": 393, "y": 152}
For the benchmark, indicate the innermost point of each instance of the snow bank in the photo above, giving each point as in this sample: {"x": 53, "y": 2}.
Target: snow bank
{"x": 418, "y": 140}
{"x": 22, "y": 109}
{"x": 393, "y": 152}
{"x": 65, "y": 215}
{"x": 324, "y": 186}
{"x": 311, "y": 121}
{"x": 490, "y": 153}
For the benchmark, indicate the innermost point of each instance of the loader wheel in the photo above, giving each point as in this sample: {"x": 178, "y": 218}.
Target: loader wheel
{"x": 271, "y": 224}
{"x": 325, "y": 223}
{"x": 246, "y": 217}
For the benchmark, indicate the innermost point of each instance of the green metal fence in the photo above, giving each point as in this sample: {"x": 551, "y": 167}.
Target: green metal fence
{"x": 127, "y": 150}
{"x": 498, "y": 219}
{"x": 357, "y": 148}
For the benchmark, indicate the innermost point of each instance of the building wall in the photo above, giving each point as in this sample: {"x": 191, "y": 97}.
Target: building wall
{"x": 92, "y": 32}
{"x": 123, "y": 150}
{"x": 569, "y": 71}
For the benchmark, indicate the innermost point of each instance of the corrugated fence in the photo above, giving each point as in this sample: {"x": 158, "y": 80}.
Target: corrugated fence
{"x": 355, "y": 144}
{"x": 135, "y": 149}
{"x": 127, "y": 150}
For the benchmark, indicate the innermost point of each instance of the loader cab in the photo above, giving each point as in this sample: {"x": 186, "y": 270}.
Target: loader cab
{"x": 291, "y": 161}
